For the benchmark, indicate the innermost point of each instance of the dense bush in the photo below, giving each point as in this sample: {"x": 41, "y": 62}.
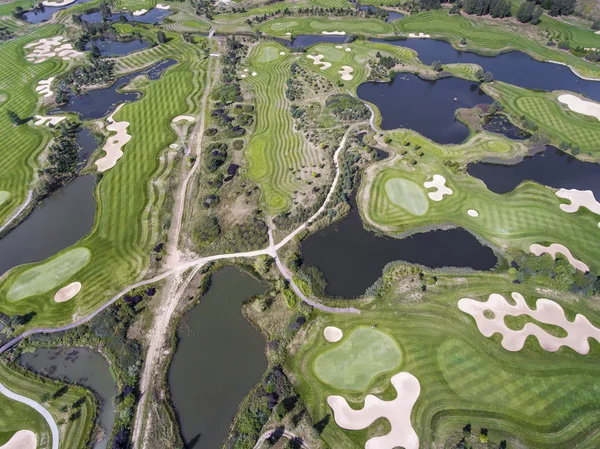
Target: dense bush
{"x": 248, "y": 236}
{"x": 346, "y": 107}
{"x": 226, "y": 94}
{"x": 206, "y": 231}
{"x": 215, "y": 155}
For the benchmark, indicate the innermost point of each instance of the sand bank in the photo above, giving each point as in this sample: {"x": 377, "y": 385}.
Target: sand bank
{"x": 578, "y": 198}
{"x": 67, "y": 292}
{"x": 419, "y": 35}
{"x": 43, "y": 49}
{"x": 346, "y": 73}
{"x": 317, "y": 61}
{"x": 41, "y": 120}
{"x": 580, "y": 106}
{"x": 333, "y": 334}
{"x": 23, "y": 439}
{"x": 159, "y": 6}
{"x": 139, "y": 12}
{"x": 43, "y": 87}
{"x": 338, "y": 33}
{"x": 439, "y": 183}
{"x": 113, "y": 144}
{"x": 556, "y": 248}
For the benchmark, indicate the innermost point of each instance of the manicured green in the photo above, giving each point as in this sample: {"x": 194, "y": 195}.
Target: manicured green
{"x": 314, "y": 25}
{"x": 407, "y": 194}
{"x": 355, "y": 362}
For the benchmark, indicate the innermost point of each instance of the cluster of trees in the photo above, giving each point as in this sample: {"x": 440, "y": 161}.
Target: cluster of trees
{"x": 312, "y": 11}
{"x": 558, "y": 7}
{"x": 215, "y": 156}
{"x": 203, "y": 7}
{"x": 206, "y": 231}
{"x": 12, "y": 321}
{"x": 496, "y": 8}
{"x": 6, "y": 34}
{"x": 530, "y": 12}
{"x": 98, "y": 71}
{"x": 14, "y": 118}
{"x": 62, "y": 157}
{"x": 346, "y": 107}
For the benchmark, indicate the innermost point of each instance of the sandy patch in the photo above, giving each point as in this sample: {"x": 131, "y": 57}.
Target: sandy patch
{"x": 578, "y": 198}
{"x": 473, "y": 213}
{"x": 288, "y": 34}
{"x": 282, "y": 53}
{"x": 58, "y": 4}
{"x": 546, "y": 311}
{"x": 113, "y": 144}
{"x": 139, "y": 12}
{"x": 187, "y": 118}
{"x": 23, "y": 439}
{"x": 597, "y": 32}
{"x": 253, "y": 73}
{"x": 580, "y": 106}
{"x": 41, "y": 120}
{"x": 43, "y": 49}
{"x": 242, "y": 75}
{"x": 338, "y": 46}
{"x": 346, "y": 73}
{"x": 43, "y": 87}
{"x": 338, "y": 33}
{"x": 215, "y": 55}
{"x": 419, "y": 35}
{"x": 333, "y": 334}
{"x": 159, "y": 6}
{"x": 173, "y": 146}
{"x": 67, "y": 292}
{"x": 555, "y": 248}
{"x": 348, "y": 49}
{"x": 439, "y": 183}
{"x": 397, "y": 412}
{"x": 317, "y": 61}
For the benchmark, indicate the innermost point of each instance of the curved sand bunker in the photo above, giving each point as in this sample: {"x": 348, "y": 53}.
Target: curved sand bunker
{"x": 339, "y": 33}
{"x": 43, "y": 87}
{"x": 397, "y": 412}
{"x": 439, "y": 183}
{"x": 41, "y": 120}
{"x": 58, "y": 4}
{"x": 44, "y": 49}
{"x": 578, "y": 198}
{"x": 580, "y": 106}
{"x": 473, "y": 213}
{"x": 187, "y": 118}
{"x": 555, "y": 248}
{"x": 23, "y": 439}
{"x": 139, "y": 12}
{"x": 67, "y": 292}
{"x": 317, "y": 61}
{"x": 113, "y": 145}
{"x": 546, "y": 311}
{"x": 333, "y": 334}
{"x": 159, "y": 6}
{"x": 420, "y": 35}
{"x": 346, "y": 73}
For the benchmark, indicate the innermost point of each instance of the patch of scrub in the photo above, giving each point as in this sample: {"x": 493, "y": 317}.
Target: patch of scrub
{"x": 23, "y": 439}
{"x": 358, "y": 360}
{"x": 43, "y": 87}
{"x": 346, "y": 73}
{"x": 44, "y": 49}
{"x": 419, "y": 35}
{"x": 438, "y": 183}
{"x": 317, "y": 61}
{"x": 67, "y": 292}
{"x": 580, "y": 106}
{"x": 546, "y": 311}
{"x": 407, "y": 194}
{"x": 113, "y": 144}
{"x": 187, "y": 118}
{"x": 473, "y": 213}
{"x": 578, "y": 198}
{"x": 336, "y": 33}
{"x": 41, "y": 120}
{"x": 556, "y": 248}
{"x": 267, "y": 53}
{"x": 49, "y": 275}
{"x": 397, "y": 412}
{"x": 4, "y": 196}
{"x": 333, "y": 334}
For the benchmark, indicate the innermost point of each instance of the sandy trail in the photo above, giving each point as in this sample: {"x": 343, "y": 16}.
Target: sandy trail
{"x": 23, "y": 439}
{"x": 114, "y": 143}
{"x": 576, "y": 104}
{"x": 439, "y": 183}
{"x": 556, "y": 248}
{"x": 67, "y": 292}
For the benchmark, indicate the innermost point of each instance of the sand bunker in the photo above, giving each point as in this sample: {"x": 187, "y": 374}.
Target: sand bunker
{"x": 439, "y": 183}
{"x": 346, "y": 73}
{"x": 555, "y": 248}
{"x": 348, "y": 49}
{"x": 140, "y": 12}
{"x": 254, "y": 74}
{"x": 282, "y": 53}
{"x": 187, "y": 118}
{"x": 338, "y": 46}
{"x": 473, "y": 213}
{"x": 159, "y": 6}
{"x": 58, "y": 4}
{"x": 397, "y": 412}
{"x": 546, "y": 311}
{"x": 43, "y": 87}
{"x": 41, "y": 120}
{"x": 67, "y": 292}
{"x": 317, "y": 61}
{"x": 113, "y": 145}
{"x": 173, "y": 146}
{"x": 333, "y": 334}
{"x": 580, "y": 106}
{"x": 43, "y": 49}
{"x": 23, "y": 439}
{"x": 578, "y": 198}
{"x": 339, "y": 33}
{"x": 420, "y": 35}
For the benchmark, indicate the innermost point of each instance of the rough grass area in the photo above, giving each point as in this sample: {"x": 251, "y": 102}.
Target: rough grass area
{"x": 354, "y": 363}
{"x": 407, "y": 194}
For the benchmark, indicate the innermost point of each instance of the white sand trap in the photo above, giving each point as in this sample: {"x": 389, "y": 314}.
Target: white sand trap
{"x": 597, "y": 32}
{"x": 67, "y": 292}
{"x": 473, "y": 213}
{"x": 173, "y": 146}
{"x": 419, "y": 36}
{"x": 546, "y": 311}
{"x": 348, "y": 49}
{"x": 578, "y": 198}
{"x": 317, "y": 61}
{"x": 245, "y": 70}
{"x": 253, "y": 73}
{"x": 397, "y": 412}
{"x": 159, "y": 6}
{"x": 346, "y": 73}
{"x": 282, "y": 53}
{"x": 41, "y": 120}
{"x": 23, "y": 439}
{"x": 58, "y": 4}
{"x": 288, "y": 34}
{"x": 580, "y": 106}
{"x": 242, "y": 75}
{"x": 43, "y": 49}
{"x": 187, "y": 118}
{"x": 113, "y": 145}
{"x": 215, "y": 55}
{"x": 140, "y": 12}
{"x": 338, "y": 33}
{"x": 43, "y": 87}
{"x": 333, "y": 334}
{"x": 555, "y": 248}
{"x": 439, "y": 183}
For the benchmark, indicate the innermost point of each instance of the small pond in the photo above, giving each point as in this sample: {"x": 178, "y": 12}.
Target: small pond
{"x": 111, "y": 47}
{"x": 88, "y": 143}
{"x": 352, "y": 258}
{"x": 306, "y": 40}
{"x": 44, "y": 14}
{"x": 424, "y": 106}
{"x": 551, "y": 167}
{"x": 57, "y": 223}
{"x": 153, "y": 16}
{"x": 219, "y": 358}
{"x": 84, "y": 367}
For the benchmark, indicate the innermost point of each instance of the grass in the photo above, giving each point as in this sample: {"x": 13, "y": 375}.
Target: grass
{"x": 354, "y": 363}
{"x": 4, "y": 197}
{"x": 407, "y": 194}
{"x": 313, "y": 25}
{"x": 532, "y": 398}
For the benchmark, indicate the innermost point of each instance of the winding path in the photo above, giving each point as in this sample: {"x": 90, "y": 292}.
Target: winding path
{"x": 39, "y": 408}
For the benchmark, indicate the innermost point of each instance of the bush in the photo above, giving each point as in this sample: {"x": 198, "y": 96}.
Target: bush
{"x": 215, "y": 155}
{"x": 226, "y": 94}
{"x": 206, "y": 231}
{"x": 346, "y": 107}
{"x": 525, "y": 12}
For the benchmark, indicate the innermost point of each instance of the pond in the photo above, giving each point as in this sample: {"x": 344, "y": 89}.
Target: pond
{"x": 85, "y": 367}
{"x": 112, "y": 47}
{"x": 424, "y": 106}
{"x": 551, "y": 167}
{"x": 155, "y": 15}
{"x": 57, "y": 223}
{"x": 306, "y": 40}
{"x": 44, "y": 14}
{"x": 352, "y": 258}
{"x": 219, "y": 358}
{"x": 88, "y": 143}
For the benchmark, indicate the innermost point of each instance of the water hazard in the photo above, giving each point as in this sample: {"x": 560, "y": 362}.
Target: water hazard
{"x": 155, "y": 15}
{"x": 112, "y": 47}
{"x": 44, "y": 14}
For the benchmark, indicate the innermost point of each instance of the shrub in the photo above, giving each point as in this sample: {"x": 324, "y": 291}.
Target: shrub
{"x": 206, "y": 231}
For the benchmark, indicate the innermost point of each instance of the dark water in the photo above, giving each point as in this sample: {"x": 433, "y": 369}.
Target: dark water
{"x": 88, "y": 143}
{"x": 42, "y": 15}
{"x": 514, "y": 67}
{"x": 551, "y": 167}
{"x": 500, "y": 124}
{"x": 57, "y": 223}
{"x": 391, "y": 15}
{"x": 352, "y": 258}
{"x": 85, "y": 367}
{"x": 153, "y": 16}
{"x": 110, "y": 47}
{"x": 306, "y": 40}
{"x": 425, "y": 106}
{"x": 219, "y": 358}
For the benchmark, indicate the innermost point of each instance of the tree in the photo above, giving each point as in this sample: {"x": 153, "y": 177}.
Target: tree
{"x": 488, "y": 77}
{"x": 45, "y": 397}
{"x": 14, "y": 117}
{"x": 500, "y": 9}
{"x": 437, "y": 66}
{"x": 426, "y": 5}
{"x": 537, "y": 15}
{"x": 525, "y": 12}
{"x": 95, "y": 51}
{"x": 562, "y": 7}
{"x": 161, "y": 37}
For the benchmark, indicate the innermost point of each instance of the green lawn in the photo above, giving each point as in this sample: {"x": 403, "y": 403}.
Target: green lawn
{"x": 407, "y": 194}
{"x": 313, "y": 25}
